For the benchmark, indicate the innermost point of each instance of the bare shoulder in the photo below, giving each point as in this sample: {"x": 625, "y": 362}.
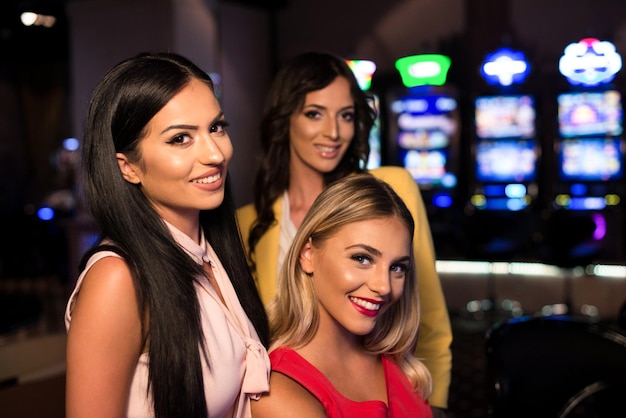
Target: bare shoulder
{"x": 107, "y": 303}
{"x": 286, "y": 396}
{"x": 109, "y": 278}
{"x": 104, "y": 341}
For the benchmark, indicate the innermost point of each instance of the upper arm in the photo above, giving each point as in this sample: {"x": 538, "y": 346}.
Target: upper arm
{"x": 286, "y": 396}
{"x": 104, "y": 341}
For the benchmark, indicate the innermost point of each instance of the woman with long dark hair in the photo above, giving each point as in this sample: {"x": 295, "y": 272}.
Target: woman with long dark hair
{"x": 165, "y": 319}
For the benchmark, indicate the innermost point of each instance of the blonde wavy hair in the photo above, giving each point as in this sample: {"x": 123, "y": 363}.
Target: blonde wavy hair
{"x": 293, "y": 312}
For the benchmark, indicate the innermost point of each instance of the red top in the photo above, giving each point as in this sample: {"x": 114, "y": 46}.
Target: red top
{"x": 403, "y": 401}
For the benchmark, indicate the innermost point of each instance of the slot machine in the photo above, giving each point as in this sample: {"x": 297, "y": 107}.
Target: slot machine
{"x": 423, "y": 137}
{"x": 585, "y": 220}
{"x": 502, "y": 209}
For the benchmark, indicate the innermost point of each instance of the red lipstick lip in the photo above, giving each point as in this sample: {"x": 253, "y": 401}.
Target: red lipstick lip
{"x": 365, "y": 311}
{"x": 375, "y": 301}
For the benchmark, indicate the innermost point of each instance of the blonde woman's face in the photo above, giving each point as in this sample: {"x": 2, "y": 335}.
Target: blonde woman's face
{"x": 320, "y": 133}
{"x": 358, "y": 273}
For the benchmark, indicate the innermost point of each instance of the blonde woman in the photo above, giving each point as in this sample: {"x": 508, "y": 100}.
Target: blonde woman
{"x": 345, "y": 318}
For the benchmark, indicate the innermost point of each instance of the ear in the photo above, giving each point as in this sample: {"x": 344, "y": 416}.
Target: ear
{"x": 306, "y": 257}
{"x": 127, "y": 169}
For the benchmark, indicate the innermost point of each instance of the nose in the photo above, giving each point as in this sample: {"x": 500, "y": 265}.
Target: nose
{"x": 380, "y": 282}
{"x": 332, "y": 129}
{"x": 209, "y": 152}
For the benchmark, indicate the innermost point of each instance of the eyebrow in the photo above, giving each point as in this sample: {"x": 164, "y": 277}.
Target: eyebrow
{"x": 366, "y": 248}
{"x": 217, "y": 118}
{"x": 376, "y": 252}
{"x": 324, "y": 107}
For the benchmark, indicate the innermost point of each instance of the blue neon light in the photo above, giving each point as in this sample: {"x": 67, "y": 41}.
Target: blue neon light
{"x": 505, "y": 67}
{"x": 492, "y": 190}
{"x": 504, "y": 203}
{"x": 70, "y": 144}
{"x": 442, "y": 200}
{"x": 45, "y": 213}
{"x": 578, "y": 189}
{"x": 587, "y": 203}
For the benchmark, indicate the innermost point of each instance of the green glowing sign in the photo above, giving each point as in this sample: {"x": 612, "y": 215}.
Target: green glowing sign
{"x": 423, "y": 70}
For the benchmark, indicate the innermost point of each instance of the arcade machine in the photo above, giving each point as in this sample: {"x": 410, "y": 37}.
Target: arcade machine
{"x": 424, "y": 138}
{"x": 501, "y": 211}
{"x": 364, "y": 71}
{"x": 585, "y": 222}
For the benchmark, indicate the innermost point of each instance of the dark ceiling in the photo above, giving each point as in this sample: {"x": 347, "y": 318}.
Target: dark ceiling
{"x": 21, "y": 42}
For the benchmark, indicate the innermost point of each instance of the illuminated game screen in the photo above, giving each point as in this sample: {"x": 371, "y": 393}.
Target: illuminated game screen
{"x": 426, "y": 166}
{"x": 506, "y": 161}
{"x": 375, "y": 138}
{"x": 590, "y": 159}
{"x": 426, "y": 126}
{"x": 589, "y": 113}
{"x": 505, "y": 117}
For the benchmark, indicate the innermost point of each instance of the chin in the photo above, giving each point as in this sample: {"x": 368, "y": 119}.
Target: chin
{"x": 328, "y": 168}
{"x": 213, "y": 202}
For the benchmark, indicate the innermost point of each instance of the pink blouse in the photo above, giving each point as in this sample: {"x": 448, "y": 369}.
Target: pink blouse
{"x": 239, "y": 363}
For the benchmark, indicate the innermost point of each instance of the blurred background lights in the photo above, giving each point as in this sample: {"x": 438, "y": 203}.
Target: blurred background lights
{"x": 363, "y": 71}
{"x": 505, "y": 67}
{"x": 35, "y": 19}
{"x": 70, "y": 144}
{"x": 45, "y": 213}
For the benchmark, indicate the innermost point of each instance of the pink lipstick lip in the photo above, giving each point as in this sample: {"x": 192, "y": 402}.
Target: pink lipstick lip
{"x": 210, "y": 173}
{"x": 213, "y": 186}
{"x": 321, "y": 149}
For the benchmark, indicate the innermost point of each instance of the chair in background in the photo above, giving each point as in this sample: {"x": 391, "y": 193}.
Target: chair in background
{"x": 602, "y": 399}
{"x": 547, "y": 366}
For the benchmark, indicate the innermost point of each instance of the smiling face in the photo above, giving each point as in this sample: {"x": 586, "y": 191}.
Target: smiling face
{"x": 184, "y": 156}
{"x": 321, "y": 132}
{"x": 358, "y": 273}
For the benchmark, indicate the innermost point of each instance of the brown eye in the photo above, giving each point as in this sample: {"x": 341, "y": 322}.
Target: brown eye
{"x": 312, "y": 114}
{"x": 219, "y": 126}
{"x": 180, "y": 139}
{"x": 348, "y": 116}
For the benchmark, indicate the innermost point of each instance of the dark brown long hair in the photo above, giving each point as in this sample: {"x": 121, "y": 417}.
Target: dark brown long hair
{"x": 163, "y": 274}
{"x": 304, "y": 73}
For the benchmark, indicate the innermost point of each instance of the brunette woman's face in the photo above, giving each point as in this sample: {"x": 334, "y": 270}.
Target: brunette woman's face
{"x": 320, "y": 133}
{"x": 358, "y": 273}
{"x": 184, "y": 156}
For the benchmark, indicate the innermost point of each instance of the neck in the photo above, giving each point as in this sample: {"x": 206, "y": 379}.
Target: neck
{"x": 188, "y": 225}
{"x": 334, "y": 337}
{"x": 305, "y": 184}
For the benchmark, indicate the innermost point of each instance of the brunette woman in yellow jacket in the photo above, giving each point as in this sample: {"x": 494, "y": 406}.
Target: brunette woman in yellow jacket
{"x": 315, "y": 130}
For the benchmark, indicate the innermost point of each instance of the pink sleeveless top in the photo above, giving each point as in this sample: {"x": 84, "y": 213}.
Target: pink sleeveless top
{"x": 239, "y": 363}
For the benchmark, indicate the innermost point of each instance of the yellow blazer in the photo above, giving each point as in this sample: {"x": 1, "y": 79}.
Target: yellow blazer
{"x": 435, "y": 336}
